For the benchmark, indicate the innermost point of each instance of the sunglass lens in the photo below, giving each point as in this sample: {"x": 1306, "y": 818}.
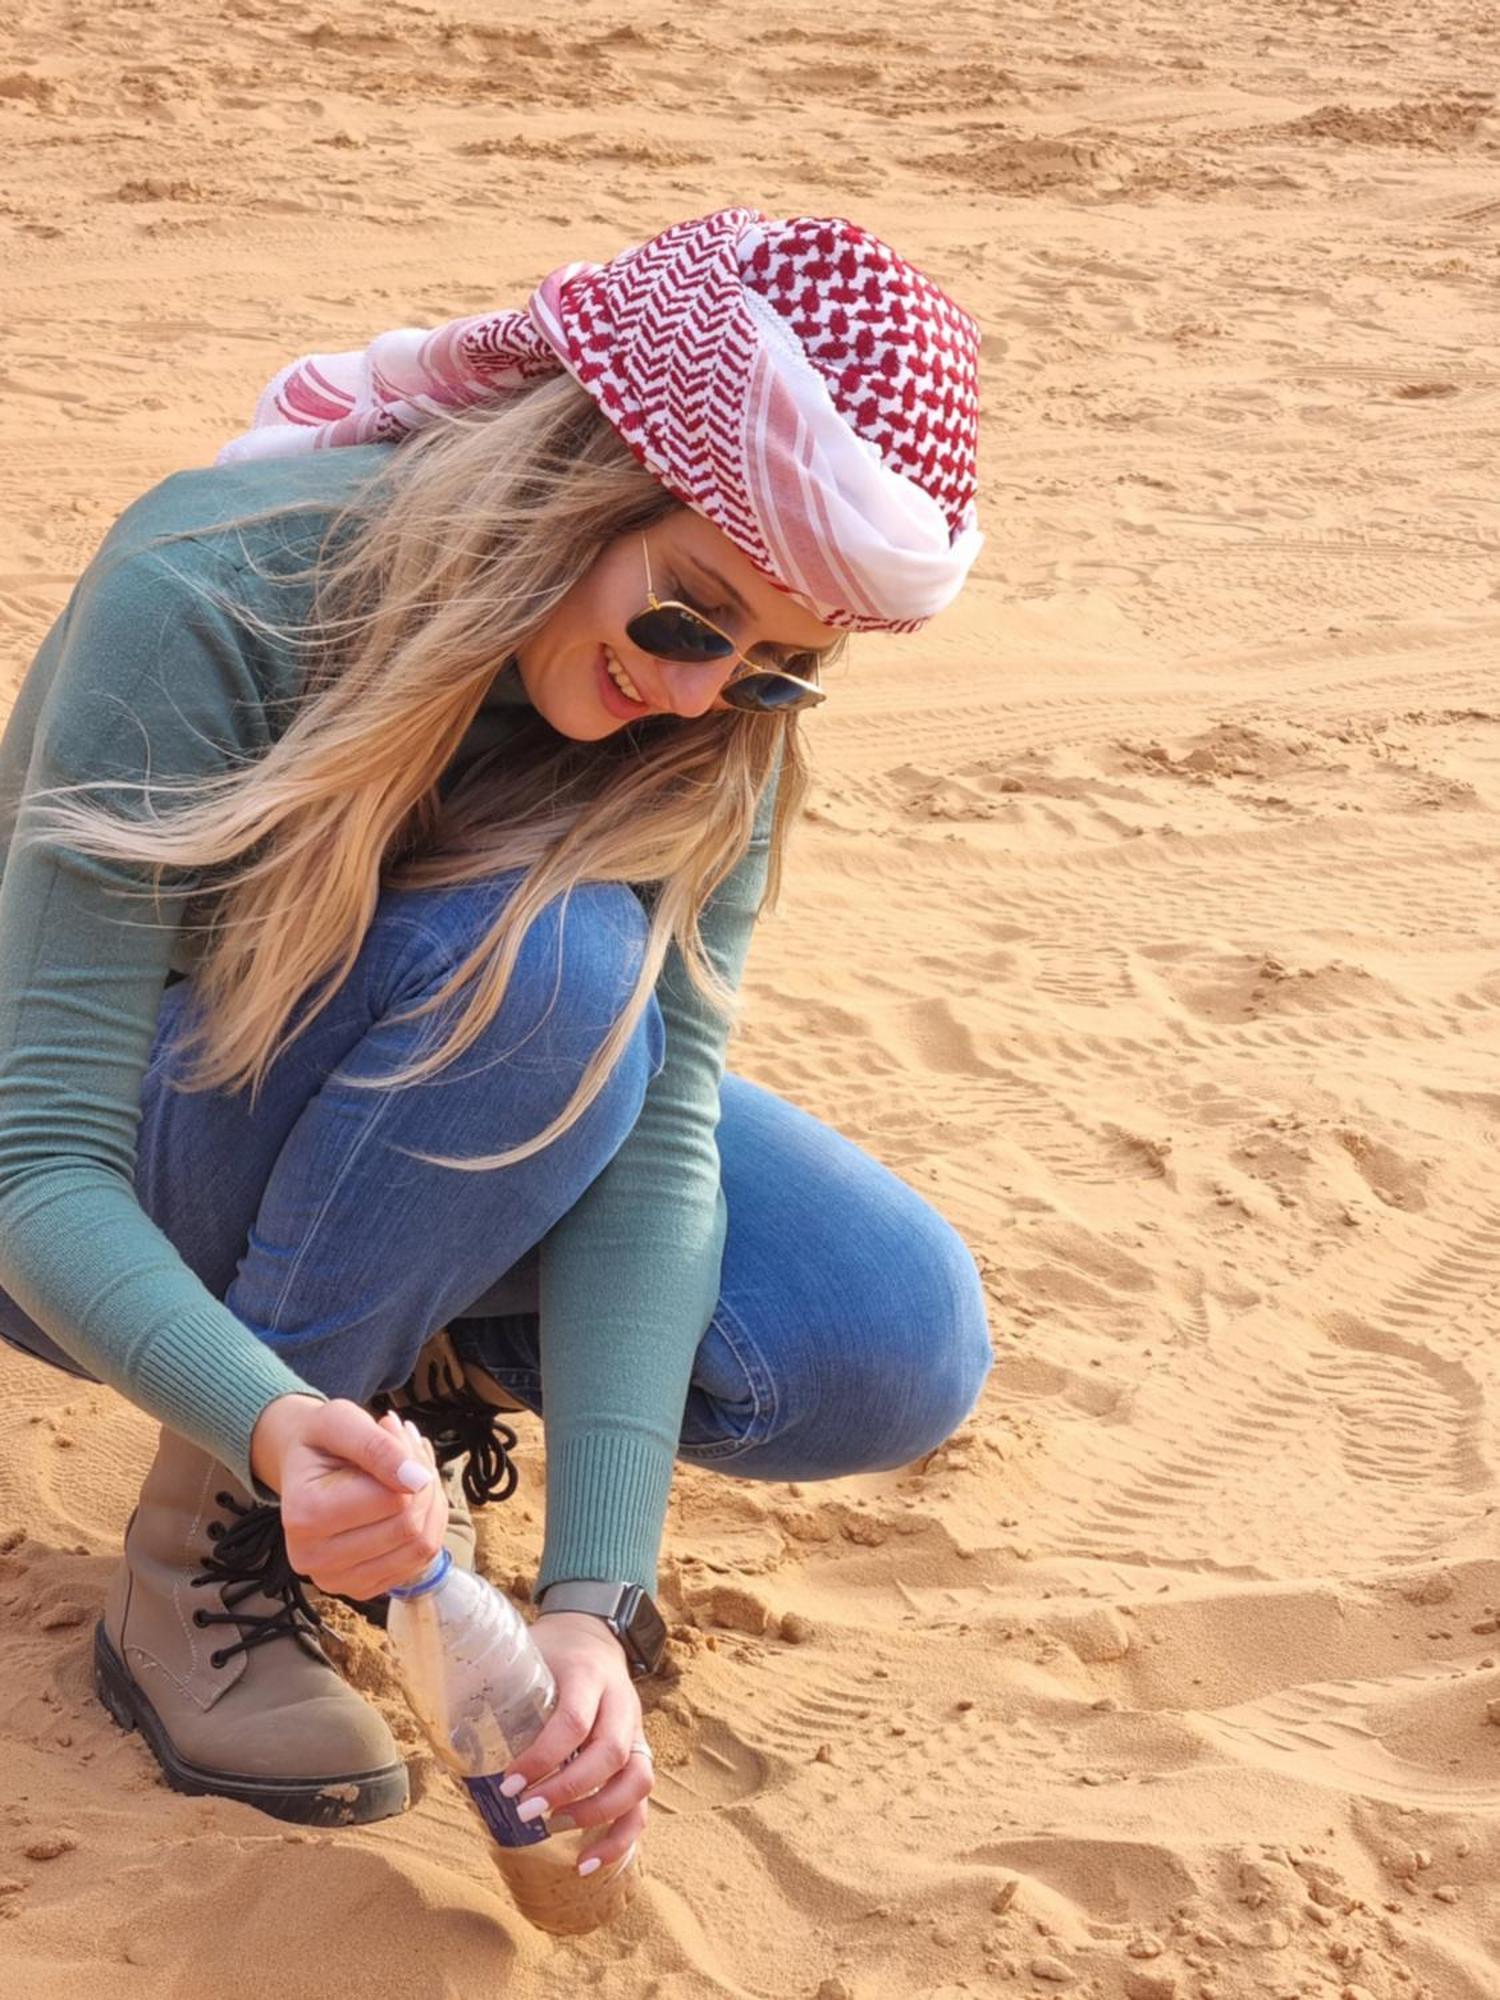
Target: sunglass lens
{"x": 670, "y": 634}
{"x": 768, "y": 694}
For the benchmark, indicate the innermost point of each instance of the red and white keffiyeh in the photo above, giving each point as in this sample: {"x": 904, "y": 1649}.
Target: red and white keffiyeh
{"x": 798, "y": 383}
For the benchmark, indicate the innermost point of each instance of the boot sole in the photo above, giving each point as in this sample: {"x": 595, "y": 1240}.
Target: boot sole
{"x": 361, "y": 1795}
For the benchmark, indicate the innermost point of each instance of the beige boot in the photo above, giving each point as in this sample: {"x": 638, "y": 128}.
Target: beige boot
{"x": 208, "y": 1647}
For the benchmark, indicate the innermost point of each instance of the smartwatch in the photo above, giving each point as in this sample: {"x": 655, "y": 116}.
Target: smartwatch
{"x": 625, "y": 1609}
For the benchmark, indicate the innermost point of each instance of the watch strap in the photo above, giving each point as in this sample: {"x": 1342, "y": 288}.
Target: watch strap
{"x": 605, "y": 1600}
{"x": 625, "y": 1608}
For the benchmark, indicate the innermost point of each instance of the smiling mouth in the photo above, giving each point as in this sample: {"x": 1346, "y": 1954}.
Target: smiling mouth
{"x": 622, "y": 680}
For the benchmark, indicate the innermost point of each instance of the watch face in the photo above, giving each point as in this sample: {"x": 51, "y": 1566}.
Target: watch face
{"x": 648, "y": 1632}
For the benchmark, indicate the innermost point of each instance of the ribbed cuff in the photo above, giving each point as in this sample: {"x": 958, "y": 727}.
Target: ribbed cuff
{"x": 606, "y": 1502}
{"x": 216, "y": 1408}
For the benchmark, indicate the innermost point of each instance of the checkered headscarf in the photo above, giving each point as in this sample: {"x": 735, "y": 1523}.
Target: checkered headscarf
{"x": 798, "y": 383}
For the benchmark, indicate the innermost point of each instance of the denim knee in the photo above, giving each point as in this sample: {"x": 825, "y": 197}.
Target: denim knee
{"x": 887, "y": 1363}
{"x": 573, "y": 975}
{"x": 585, "y": 949}
{"x": 944, "y": 1360}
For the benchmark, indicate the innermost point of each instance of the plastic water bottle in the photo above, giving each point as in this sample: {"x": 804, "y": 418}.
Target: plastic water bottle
{"x": 482, "y": 1691}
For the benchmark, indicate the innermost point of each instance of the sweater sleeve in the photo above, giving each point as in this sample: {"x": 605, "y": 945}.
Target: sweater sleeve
{"x": 85, "y": 957}
{"x": 630, "y": 1277}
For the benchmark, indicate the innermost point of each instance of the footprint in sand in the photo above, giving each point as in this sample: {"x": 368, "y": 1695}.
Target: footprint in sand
{"x": 713, "y": 1768}
{"x": 1422, "y": 1738}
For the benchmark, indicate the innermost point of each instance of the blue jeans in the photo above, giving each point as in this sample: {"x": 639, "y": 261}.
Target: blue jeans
{"x": 850, "y": 1332}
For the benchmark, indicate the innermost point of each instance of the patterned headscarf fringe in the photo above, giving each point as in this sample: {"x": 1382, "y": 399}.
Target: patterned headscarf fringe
{"x": 798, "y": 383}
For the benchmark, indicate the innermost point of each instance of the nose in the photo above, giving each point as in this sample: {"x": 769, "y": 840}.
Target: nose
{"x": 692, "y": 691}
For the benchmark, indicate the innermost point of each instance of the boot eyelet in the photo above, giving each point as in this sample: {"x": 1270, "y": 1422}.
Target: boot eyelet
{"x": 223, "y": 1499}
{"x": 215, "y": 1529}
{"x": 200, "y": 1619}
{"x": 216, "y": 1659}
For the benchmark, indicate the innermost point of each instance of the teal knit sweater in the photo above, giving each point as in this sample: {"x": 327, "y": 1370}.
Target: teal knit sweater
{"x": 143, "y": 671}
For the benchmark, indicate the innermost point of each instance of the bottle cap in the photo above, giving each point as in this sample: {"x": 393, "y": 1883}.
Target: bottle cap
{"x": 428, "y": 1580}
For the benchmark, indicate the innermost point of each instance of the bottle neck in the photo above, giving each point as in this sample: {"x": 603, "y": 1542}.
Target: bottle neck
{"x": 430, "y": 1578}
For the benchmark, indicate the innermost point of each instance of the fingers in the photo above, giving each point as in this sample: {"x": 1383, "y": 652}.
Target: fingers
{"x": 603, "y": 1761}
{"x": 429, "y": 1527}
{"x": 355, "y": 1537}
{"x": 370, "y": 1561}
{"x": 605, "y": 1785}
{"x": 376, "y": 1577}
{"x": 615, "y": 1842}
{"x": 384, "y": 1450}
{"x": 567, "y": 1730}
{"x": 630, "y": 1787}
{"x": 415, "y": 1536}
{"x": 330, "y": 1507}
{"x": 374, "y": 1569}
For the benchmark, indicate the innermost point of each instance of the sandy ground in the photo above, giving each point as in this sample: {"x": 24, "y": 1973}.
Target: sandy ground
{"x": 1145, "y": 920}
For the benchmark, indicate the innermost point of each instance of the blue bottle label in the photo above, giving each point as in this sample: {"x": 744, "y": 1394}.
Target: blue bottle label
{"x": 499, "y": 1815}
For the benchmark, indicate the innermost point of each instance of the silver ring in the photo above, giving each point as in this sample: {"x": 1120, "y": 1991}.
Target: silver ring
{"x": 643, "y": 1749}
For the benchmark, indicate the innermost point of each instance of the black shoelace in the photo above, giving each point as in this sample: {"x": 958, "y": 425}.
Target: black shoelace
{"x": 247, "y": 1558}
{"x": 454, "y": 1425}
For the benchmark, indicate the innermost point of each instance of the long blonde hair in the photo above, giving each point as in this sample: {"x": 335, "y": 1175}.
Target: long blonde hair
{"x": 424, "y": 585}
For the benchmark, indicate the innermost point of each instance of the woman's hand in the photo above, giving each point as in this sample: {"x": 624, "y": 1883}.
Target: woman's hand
{"x": 361, "y": 1502}
{"x": 582, "y": 1763}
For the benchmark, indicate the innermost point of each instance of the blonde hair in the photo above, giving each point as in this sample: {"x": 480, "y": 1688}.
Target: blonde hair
{"x": 424, "y": 585}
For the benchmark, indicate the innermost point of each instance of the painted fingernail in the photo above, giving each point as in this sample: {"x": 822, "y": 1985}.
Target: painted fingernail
{"x": 513, "y": 1787}
{"x": 588, "y": 1867}
{"x": 533, "y": 1809}
{"x": 415, "y": 1478}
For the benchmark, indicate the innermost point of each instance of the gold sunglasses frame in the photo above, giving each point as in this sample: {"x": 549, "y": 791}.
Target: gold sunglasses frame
{"x": 747, "y": 669}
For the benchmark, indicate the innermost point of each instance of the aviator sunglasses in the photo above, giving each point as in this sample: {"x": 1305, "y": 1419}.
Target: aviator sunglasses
{"x": 671, "y": 630}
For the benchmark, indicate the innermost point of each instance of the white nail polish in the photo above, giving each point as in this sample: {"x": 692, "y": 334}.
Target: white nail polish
{"x": 588, "y": 1867}
{"x": 412, "y": 1476}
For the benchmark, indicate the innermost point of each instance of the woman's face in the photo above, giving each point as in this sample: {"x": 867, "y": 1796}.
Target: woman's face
{"x": 566, "y": 666}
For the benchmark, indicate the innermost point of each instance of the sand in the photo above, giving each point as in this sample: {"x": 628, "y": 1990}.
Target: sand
{"x": 1145, "y": 920}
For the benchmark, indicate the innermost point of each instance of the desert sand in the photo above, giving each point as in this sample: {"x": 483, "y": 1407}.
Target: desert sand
{"x": 1145, "y": 920}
